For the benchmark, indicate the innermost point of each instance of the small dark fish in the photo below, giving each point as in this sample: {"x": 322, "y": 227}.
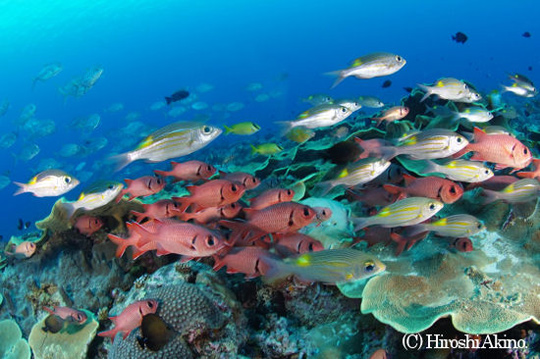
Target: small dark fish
{"x": 460, "y": 37}
{"x": 530, "y": 68}
{"x": 27, "y": 225}
{"x": 53, "y": 324}
{"x": 22, "y": 225}
{"x": 526, "y": 34}
{"x": 386, "y": 84}
{"x": 155, "y": 332}
{"x": 408, "y": 89}
{"x": 177, "y": 96}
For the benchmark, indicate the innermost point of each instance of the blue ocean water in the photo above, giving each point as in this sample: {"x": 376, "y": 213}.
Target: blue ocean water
{"x": 150, "y": 49}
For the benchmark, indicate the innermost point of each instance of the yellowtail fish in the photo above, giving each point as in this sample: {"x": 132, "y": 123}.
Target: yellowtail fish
{"x": 242, "y": 128}
{"x": 266, "y": 149}
{"x": 328, "y": 266}
{"x": 407, "y": 212}
{"x": 450, "y": 89}
{"x": 459, "y": 225}
{"x": 523, "y": 82}
{"x": 175, "y": 140}
{"x": 318, "y": 99}
{"x": 474, "y": 114}
{"x": 299, "y": 134}
{"x": 96, "y": 196}
{"x": 460, "y": 170}
{"x": 369, "y": 66}
{"x": 429, "y": 144}
{"x": 49, "y": 183}
{"x": 521, "y": 191}
{"x": 358, "y": 173}
{"x": 517, "y": 89}
{"x": 319, "y": 116}
{"x": 370, "y": 101}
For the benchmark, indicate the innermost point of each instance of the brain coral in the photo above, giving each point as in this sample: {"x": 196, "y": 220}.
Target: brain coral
{"x": 131, "y": 349}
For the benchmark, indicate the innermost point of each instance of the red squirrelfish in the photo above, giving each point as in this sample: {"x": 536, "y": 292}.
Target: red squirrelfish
{"x": 23, "y": 250}
{"x": 503, "y": 150}
{"x": 252, "y": 261}
{"x": 442, "y": 189}
{"x": 187, "y": 239}
{"x": 270, "y": 197}
{"x": 164, "y": 208}
{"x": 142, "y": 187}
{"x": 296, "y": 243}
{"x": 130, "y": 318}
{"x": 212, "y": 214}
{"x": 245, "y": 179}
{"x": 67, "y": 313}
{"x": 189, "y": 171}
{"x": 392, "y": 114}
{"x": 215, "y": 193}
{"x": 533, "y": 174}
{"x": 133, "y": 240}
{"x": 88, "y": 225}
{"x": 372, "y": 197}
{"x": 372, "y": 148}
{"x": 283, "y": 217}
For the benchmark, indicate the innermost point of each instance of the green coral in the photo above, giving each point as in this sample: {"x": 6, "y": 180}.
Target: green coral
{"x": 12, "y": 345}
{"x": 70, "y": 343}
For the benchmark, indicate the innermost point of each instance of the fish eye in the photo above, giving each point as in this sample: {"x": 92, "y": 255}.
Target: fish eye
{"x": 150, "y": 304}
{"x": 233, "y": 188}
{"x": 289, "y": 193}
{"x": 479, "y": 225}
{"x": 343, "y": 109}
{"x": 79, "y": 317}
{"x": 306, "y": 211}
{"x": 209, "y": 168}
{"x": 486, "y": 172}
{"x": 206, "y": 129}
{"x": 453, "y": 190}
{"x": 110, "y": 186}
{"x": 459, "y": 139}
{"x": 369, "y": 266}
{"x": 310, "y": 247}
{"x": 525, "y": 151}
{"x": 210, "y": 241}
{"x": 432, "y": 206}
{"x": 32, "y": 245}
{"x": 253, "y": 179}
{"x": 399, "y": 58}
{"x": 233, "y": 205}
{"x": 67, "y": 179}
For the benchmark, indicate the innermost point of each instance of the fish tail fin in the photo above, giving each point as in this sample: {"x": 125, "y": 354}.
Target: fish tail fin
{"x": 340, "y": 77}
{"x": 395, "y": 190}
{"x": 139, "y": 216}
{"x": 70, "y": 209}
{"x": 284, "y": 127}
{"x": 426, "y": 90}
{"x": 108, "y": 333}
{"x": 278, "y": 270}
{"x": 360, "y": 222}
{"x": 429, "y": 167}
{"x": 162, "y": 173}
{"x": 489, "y": 196}
{"x": 227, "y": 129}
{"x": 137, "y": 252}
{"x": 464, "y": 151}
{"x": 48, "y": 310}
{"x": 324, "y": 187}
{"x": 526, "y": 174}
{"x": 121, "y": 161}
{"x": 400, "y": 241}
{"x": 22, "y": 188}
{"x": 121, "y": 243}
{"x": 254, "y": 150}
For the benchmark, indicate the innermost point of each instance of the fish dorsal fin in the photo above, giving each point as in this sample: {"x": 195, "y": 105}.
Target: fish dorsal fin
{"x": 408, "y": 179}
{"x": 146, "y": 142}
{"x": 478, "y": 133}
{"x": 81, "y": 197}
{"x": 439, "y": 83}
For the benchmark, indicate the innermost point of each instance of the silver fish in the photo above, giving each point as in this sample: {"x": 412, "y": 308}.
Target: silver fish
{"x": 358, "y": 173}
{"x": 521, "y": 191}
{"x": 175, "y": 140}
{"x": 48, "y": 72}
{"x": 370, "y": 66}
{"x": 370, "y": 101}
{"x": 460, "y": 170}
{"x": 429, "y": 144}
{"x": 449, "y": 88}
{"x": 49, "y": 183}
{"x": 459, "y": 225}
{"x": 406, "y": 212}
{"x": 96, "y": 196}
{"x": 319, "y": 116}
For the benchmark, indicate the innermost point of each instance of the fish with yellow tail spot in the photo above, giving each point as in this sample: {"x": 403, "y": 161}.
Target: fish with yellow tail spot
{"x": 369, "y": 66}
{"x": 524, "y": 190}
{"x": 242, "y": 128}
{"x": 449, "y": 88}
{"x": 406, "y": 212}
{"x": 359, "y": 173}
{"x": 174, "y": 140}
{"x": 49, "y": 183}
{"x": 456, "y": 226}
{"x": 330, "y": 266}
{"x": 266, "y": 149}
{"x": 96, "y": 196}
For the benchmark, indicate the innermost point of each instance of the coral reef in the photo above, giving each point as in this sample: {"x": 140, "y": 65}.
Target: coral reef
{"x": 69, "y": 343}
{"x": 12, "y": 345}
